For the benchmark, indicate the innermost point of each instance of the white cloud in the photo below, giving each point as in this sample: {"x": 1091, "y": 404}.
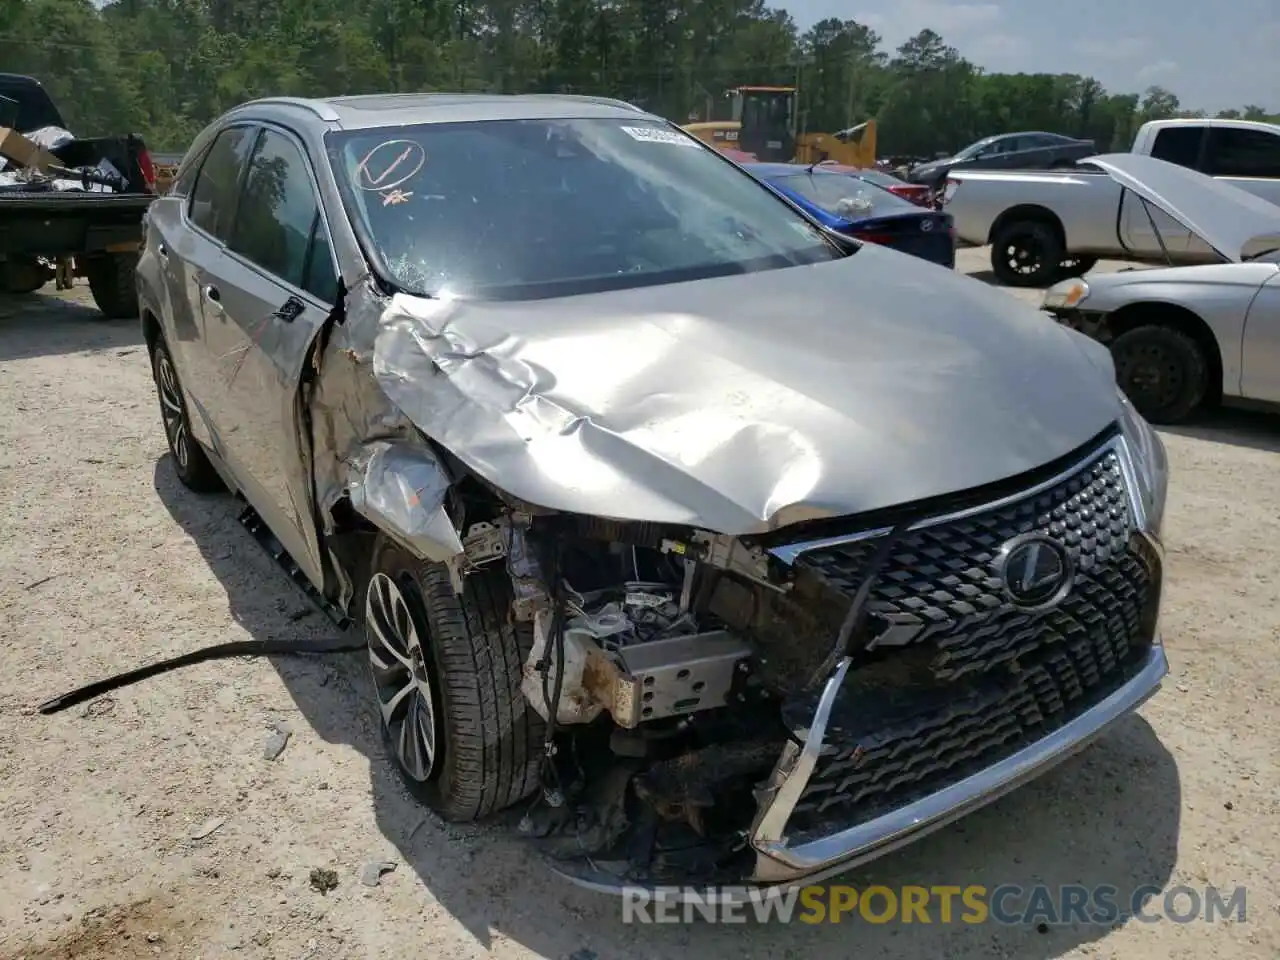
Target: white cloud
{"x": 1154, "y": 71}
{"x": 996, "y": 51}
{"x": 1125, "y": 48}
{"x": 908, "y": 17}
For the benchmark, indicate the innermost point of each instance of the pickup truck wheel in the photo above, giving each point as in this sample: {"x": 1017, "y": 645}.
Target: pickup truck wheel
{"x": 112, "y": 285}
{"x": 447, "y": 671}
{"x": 1077, "y": 266}
{"x": 23, "y": 275}
{"x": 189, "y": 459}
{"x": 1162, "y": 371}
{"x": 1026, "y": 253}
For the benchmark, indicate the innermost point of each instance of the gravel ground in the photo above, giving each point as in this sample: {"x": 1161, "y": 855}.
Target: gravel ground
{"x": 151, "y": 823}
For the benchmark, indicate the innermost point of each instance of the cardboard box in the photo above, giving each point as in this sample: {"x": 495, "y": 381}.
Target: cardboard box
{"x": 14, "y": 146}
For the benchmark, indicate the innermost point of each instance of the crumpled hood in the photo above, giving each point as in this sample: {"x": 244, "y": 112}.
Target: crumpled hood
{"x": 746, "y": 403}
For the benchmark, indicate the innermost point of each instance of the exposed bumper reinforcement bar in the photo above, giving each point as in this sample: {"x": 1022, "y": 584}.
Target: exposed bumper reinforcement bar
{"x": 783, "y": 865}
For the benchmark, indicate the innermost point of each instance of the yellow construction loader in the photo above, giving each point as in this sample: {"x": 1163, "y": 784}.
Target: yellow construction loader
{"x": 762, "y": 124}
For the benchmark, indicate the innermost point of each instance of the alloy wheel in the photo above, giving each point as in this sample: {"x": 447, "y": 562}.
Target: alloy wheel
{"x": 401, "y": 676}
{"x": 171, "y": 410}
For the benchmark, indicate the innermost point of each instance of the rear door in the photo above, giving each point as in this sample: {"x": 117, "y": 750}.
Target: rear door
{"x": 1006, "y": 154}
{"x": 269, "y": 295}
{"x": 1260, "y": 353}
{"x": 189, "y": 246}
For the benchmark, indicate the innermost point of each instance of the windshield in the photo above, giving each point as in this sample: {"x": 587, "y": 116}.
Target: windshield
{"x": 845, "y": 196}
{"x": 520, "y": 209}
{"x": 971, "y": 151}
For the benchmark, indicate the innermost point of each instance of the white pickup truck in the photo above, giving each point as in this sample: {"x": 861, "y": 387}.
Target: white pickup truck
{"x": 1046, "y": 224}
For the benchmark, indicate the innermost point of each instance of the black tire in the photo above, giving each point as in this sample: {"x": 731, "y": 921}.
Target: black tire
{"x": 23, "y": 275}
{"x": 1162, "y": 371}
{"x": 1077, "y": 266}
{"x": 112, "y": 285}
{"x": 487, "y": 742}
{"x": 189, "y": 460}
{"x": 1026, "y": 253}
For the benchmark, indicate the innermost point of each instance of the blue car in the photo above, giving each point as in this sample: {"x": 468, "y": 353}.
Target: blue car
{"x": 863, "y": 210}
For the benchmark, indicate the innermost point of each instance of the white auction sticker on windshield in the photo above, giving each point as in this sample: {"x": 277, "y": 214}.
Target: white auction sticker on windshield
{"x": 658, "y": 135}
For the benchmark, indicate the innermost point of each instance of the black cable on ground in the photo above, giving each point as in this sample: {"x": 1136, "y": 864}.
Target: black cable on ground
{"x": 221, "y": 651}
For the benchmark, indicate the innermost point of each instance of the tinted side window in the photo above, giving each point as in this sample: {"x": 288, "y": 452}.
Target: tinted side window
{"x": 320, "y": 277}
{"x": 276, "y": 210}
{"x": 181, "y": 186}
{"x": 1180, "y": 145}
{"x": 213, "y": 199}
{"x": 1242, "y": 153}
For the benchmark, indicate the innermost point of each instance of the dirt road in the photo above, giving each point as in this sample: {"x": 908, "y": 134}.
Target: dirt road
{"x": 151, "y": 823}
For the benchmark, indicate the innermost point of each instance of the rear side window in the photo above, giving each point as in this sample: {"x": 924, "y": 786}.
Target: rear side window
{"x": 214, "y": 195}
{"x": 1233, "y": 152}
{"x": 277, "y": 210}
{"x": 1180, "y": 145}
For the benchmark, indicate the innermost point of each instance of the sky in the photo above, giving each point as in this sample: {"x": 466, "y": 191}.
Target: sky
{"x": 1213, "y": 55}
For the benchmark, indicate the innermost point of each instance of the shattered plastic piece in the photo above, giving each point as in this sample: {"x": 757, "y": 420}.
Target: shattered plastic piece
{"x": 374, "y": 870}
{"x": 208, "y": 828}
{"x": 276, "y": 741}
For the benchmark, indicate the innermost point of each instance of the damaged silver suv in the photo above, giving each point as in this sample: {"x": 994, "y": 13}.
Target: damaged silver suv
{"x": 715, "y": 547}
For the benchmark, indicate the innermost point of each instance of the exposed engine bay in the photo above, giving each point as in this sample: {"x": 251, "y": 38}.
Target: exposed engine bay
{"x": 662, "y": 666}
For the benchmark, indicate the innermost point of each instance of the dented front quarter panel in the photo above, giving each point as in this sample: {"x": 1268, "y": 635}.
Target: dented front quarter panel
{"x": 366, "y": 449}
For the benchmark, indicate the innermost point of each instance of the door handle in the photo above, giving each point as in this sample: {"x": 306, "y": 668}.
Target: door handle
{"x": 212, "y": 295}
{"x": 291, "y": 310}
{"x": 162, "y": 252}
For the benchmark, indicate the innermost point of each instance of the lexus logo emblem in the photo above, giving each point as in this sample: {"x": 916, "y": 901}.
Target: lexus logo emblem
{"x": 926, "y": 225}
{"x": 1035, "y": 571}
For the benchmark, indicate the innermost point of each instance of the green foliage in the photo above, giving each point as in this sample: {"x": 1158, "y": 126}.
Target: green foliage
{"x": 164, "y": 68}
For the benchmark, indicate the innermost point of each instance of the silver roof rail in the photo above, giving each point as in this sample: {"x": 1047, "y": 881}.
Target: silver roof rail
{"x": 318, "y": 107}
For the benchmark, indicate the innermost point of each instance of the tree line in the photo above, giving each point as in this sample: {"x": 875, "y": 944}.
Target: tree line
{"x": 164, "y": 68}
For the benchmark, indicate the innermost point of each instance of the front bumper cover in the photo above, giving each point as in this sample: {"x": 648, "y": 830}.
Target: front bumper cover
{"x": 779, "y": 864}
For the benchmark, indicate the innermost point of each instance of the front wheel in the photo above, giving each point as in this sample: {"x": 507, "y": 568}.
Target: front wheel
{"x": 447, "y": 671}
{"x": 1026, "y": 253}
{"x": 1162, "y": 371}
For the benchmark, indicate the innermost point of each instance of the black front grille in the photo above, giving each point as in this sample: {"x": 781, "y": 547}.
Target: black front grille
{"x": 958, "y": 678}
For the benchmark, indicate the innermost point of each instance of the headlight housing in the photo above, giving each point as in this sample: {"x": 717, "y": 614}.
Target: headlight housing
{"x": 1150, "y": 465}
{"x": 1065, "y": 295}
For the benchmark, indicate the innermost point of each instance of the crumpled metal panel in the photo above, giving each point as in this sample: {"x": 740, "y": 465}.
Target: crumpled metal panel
{"x": 751, "y": 402}
{"x": 402, "y": 490}
{"x": 366, "y": 448}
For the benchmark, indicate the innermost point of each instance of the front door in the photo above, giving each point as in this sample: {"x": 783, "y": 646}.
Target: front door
{"x": 265, "y": 299}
